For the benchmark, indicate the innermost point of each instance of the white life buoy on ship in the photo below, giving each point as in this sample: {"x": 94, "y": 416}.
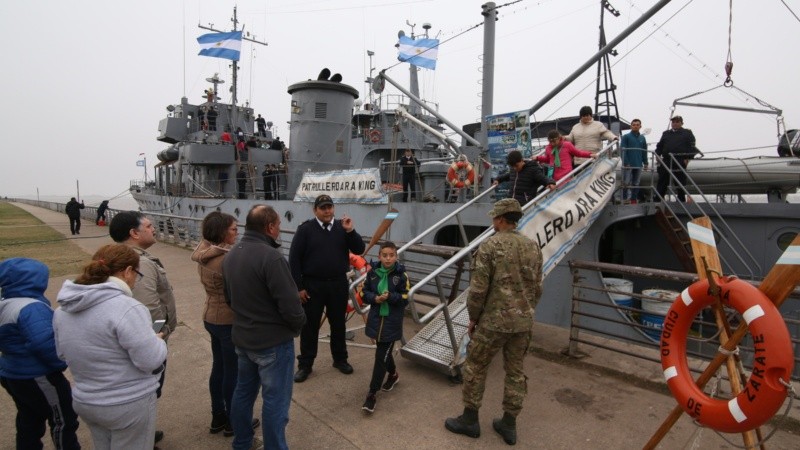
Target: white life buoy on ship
{"x": 461, "y": 174}
{"x": 375, "y": 136}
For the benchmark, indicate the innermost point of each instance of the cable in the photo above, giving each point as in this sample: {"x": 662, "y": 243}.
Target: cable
{"x": 790, "y": 10}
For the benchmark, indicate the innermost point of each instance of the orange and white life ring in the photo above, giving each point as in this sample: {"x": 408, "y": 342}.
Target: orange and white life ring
{"x": 375, "y": 136}
{"x": 360, "y": 264}
{"x": 773, "y": 361}
{"x": 461, "y": 174}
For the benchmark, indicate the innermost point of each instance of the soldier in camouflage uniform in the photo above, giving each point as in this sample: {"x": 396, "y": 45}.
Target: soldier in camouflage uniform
{"x": 505, "y": 286}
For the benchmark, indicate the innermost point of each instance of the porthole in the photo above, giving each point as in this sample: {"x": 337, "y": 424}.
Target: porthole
{"x": 785, "y": 239}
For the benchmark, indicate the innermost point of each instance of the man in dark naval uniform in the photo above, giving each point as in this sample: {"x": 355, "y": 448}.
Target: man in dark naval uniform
{"x": 676, "y": 148}
{"x": 319, "y": 260}
{"x": 409, "y": 165}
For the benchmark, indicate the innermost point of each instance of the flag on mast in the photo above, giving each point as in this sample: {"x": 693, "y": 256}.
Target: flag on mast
{"x": 419, "y": 52}
{"x": 141, "y": 162}
{"x": 221, "y": 45}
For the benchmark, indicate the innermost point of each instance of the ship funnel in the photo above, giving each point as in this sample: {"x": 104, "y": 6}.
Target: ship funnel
{"x": 320, "y": 127}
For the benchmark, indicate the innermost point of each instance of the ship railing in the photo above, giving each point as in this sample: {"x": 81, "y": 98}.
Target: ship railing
{"x": 444, "y": 304}
{"x": 456, "y": 214}
{"x": 199, "y": 186}
{"x": 608, "y": 317}
{"x": 87, "y": 213}
{"x": 720, "y": 226}
{"x": 390, "y": 102}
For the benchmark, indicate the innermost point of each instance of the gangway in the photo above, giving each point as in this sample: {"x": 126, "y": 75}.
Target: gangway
{"x": 446, "y": 322}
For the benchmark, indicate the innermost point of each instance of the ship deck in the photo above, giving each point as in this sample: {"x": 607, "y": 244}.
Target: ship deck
{"x": 604, "y": 400}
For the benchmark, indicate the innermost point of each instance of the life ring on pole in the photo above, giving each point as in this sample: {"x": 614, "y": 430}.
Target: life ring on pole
{"x": 461, "y": 173}
{"x": 773, "y": 361}
{"x": 375, "y": 136}
{"x": 360, "y": 264}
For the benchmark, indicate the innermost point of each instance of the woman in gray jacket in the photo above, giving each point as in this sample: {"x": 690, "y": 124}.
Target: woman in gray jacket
{"x": 107, "y": 339}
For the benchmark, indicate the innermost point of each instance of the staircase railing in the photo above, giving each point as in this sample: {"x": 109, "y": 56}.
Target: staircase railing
{"x": 719, "y": 225}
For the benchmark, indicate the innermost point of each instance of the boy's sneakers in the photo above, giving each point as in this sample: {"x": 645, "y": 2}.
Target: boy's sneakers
{"x": 369, "y": 403}
{"x": 391, "y": 380}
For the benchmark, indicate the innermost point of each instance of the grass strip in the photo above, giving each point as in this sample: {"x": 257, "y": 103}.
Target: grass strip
{"x": 23, "y": 235}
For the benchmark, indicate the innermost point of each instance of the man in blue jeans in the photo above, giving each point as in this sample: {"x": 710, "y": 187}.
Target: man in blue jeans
{"x": 267, "y": 317}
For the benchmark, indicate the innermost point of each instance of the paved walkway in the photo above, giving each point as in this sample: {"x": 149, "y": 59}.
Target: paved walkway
{"x": 569, "y": 405}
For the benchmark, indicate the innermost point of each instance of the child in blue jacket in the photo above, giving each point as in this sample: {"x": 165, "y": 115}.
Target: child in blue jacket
{"x": 386, "y": 291}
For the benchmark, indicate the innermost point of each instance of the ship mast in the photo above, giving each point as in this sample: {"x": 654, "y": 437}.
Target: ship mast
{"x": 234, "y": 64}
{"x": 605, "y": 99}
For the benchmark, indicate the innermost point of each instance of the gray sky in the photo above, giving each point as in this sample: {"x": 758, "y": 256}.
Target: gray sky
{"x": 86, "y": 82}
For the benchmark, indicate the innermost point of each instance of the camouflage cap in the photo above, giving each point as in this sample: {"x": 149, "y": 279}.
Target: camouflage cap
{"x": 503, "y": 206}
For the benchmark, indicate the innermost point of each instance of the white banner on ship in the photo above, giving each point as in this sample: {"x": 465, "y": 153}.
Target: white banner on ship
{"x": 560, "y": 220}
{"x": 344, "y": 186}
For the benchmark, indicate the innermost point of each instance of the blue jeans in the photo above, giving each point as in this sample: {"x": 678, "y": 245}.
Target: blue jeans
{"x": 630, "y": 182}
{"x": 271, "y": 370}
{"x": 224, "y": 368}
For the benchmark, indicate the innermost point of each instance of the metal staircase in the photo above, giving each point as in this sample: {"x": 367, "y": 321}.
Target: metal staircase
{"x": 676, "y": 231}
{"x": 677, "y": 237}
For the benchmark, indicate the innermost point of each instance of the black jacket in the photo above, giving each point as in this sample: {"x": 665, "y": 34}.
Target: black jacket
{"x": 525, "y": 183}
{"x": 386, "y": 328}
{"x": 321, "y": 254}
{"x": 73, "y": 209}
{"x": 409, "y": 164}
{"x": 680, "y": 143}
{"x": 264, "y": 299}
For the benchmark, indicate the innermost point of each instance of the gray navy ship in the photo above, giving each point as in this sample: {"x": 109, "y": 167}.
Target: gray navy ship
{"x": 348, "y": 147}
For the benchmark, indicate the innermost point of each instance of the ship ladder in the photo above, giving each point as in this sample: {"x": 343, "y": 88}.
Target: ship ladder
{"x": 677, "y": 237}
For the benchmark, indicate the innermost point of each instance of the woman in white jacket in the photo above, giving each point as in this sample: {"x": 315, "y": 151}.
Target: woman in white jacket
{"x": 114, "y": 355}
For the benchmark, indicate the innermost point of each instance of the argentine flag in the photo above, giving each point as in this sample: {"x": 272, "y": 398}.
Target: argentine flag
{"x": 421, "y": 53}
{"x": 221, "y": 45}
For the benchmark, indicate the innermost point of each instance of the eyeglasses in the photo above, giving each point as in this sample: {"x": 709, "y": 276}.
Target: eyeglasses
{"x": 139, "y": 275}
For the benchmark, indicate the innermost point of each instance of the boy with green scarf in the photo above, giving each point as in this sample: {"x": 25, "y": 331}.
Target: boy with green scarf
{"x": 386, "y": 291}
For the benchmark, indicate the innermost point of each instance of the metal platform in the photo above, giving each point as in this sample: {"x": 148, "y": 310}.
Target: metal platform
{"x": 432, "y": 346}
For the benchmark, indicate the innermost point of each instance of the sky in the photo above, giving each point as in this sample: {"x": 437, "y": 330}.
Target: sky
{"x": 86, "y": 82}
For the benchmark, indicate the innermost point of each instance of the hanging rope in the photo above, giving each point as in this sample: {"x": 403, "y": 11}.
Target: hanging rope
{"x": 729, "y": 62}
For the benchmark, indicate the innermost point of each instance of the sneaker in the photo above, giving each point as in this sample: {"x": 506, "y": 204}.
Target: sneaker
{"x": 257, "y": 444}
{"x": 369, "y": 403}
{"x": 391, "y": 380}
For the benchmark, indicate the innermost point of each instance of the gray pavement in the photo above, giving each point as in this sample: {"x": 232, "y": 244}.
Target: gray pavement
{"x": 570, "y": 404}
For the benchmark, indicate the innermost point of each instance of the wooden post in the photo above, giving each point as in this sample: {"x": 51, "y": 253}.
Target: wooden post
{"x": 706, "y": 260}
{"x": 778, "y": 284}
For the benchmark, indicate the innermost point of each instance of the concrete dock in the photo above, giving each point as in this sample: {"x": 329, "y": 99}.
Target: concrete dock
{"x": 570, "y": 404}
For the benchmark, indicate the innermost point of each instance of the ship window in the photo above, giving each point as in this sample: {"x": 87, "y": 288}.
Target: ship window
{"x": 785, "y": 239}
{"x": 450, "y": 235}
{"x": 320, "y": 110}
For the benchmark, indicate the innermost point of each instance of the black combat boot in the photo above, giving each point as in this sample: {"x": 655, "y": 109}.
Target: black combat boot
{"x": 507, "y": 428}
{"x": 466, "y": 424}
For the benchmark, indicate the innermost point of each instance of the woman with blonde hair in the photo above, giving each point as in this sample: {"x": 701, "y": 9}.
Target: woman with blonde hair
{"x": 107, "y": 339}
